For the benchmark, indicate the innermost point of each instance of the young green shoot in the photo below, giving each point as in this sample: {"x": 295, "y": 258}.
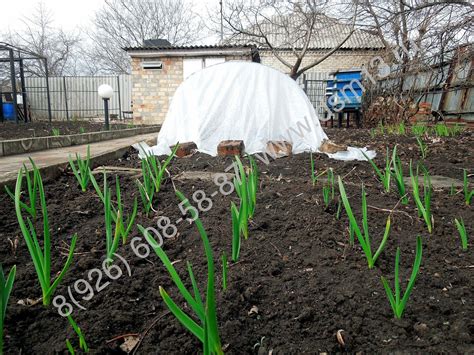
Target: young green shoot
{"x": 116, "y": 213}
{"x": 112, "y": 235}
{"x": 462, "y": 232}
{"x": 70, "y": 348}
{"x": 326, "y": 195}
{"x": 31, "y": 188}
{"x": 384, "y": 176}
{"x": 55, "y": 132}
{"x": 364, "y": 239}
{"x": 441, "y": 130}
{"x": 240, "y": 184}
{"x": 401, "y": 128}
{"x": 147, "y": 188}
{"x": 423, "y": 206}
{"x": 397, "y": 174}
{"x": 418, "y": 129}
{"x": 246, "y": 185}
{"x": 397, "y": 302}
{"x": 6, "y": 286}
{"x": 125, "y": 226}
{"x": 467, "y": 192}
{"x": 452, "y": 190}
{"x": 224, "y": 271}
{"x": 207, "y": 332}
{"x": 236, "y": 231}
{"x": 82, "y": 341}
{"x": 252, "y": 186}
{"x": 41, "y": 256}
{"x": 157, "y": 169}
{"x": 328, "y": 188}
{"x": 423, "y": 147}
{"x": 82, "y": 171}
{"x": 330, "y": 173}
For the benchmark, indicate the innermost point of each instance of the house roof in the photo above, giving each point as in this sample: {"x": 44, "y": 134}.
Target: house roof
{"x": 287, "y": 32}
{"x": 180, "y": 48}
{"x": 194, "y": 51}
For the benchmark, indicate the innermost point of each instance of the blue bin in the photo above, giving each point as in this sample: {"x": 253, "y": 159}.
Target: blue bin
{"x": 8, "y": 111}
{"x": 345, "y": 84}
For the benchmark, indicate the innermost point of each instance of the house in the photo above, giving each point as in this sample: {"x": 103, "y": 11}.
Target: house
{"x": 158, "y": 68}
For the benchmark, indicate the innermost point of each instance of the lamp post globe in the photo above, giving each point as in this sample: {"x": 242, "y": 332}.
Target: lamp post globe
{"x": 106, "y": 91}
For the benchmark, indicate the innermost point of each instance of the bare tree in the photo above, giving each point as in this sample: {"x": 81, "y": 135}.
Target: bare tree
{"x": 288, "y": 25}
{"x": 127, "y": 23}
{"x": 419, "y": 37}
{"x": 418, "y": 27}
{"x": 39, "y": 35}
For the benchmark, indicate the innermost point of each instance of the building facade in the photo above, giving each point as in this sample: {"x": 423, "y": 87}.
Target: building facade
{"x": 158, "y": 71}
{"x": 158, "y": 67}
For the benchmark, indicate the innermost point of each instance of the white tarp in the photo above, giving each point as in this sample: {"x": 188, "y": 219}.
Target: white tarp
{"x": 241, "y": 101}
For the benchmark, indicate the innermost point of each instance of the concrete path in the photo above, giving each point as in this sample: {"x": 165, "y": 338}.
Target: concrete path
{"x": 50, "y": 160}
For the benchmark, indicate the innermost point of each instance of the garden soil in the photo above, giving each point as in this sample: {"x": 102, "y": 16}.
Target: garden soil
{"x": 298, "y": 282}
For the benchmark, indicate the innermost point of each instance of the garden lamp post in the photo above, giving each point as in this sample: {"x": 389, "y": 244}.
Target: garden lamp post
{"x": 105, "y": 92}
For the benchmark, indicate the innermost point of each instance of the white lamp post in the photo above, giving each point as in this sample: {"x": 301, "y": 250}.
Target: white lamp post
{"x": 105, "y": 92}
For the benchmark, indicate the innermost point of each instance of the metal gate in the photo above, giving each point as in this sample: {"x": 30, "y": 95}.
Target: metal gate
{"x": 314, "y": 85}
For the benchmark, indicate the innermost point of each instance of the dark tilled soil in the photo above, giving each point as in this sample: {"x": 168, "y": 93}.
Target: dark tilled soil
{"x": 11, "y": 130}
{"x": 297, "y": 272}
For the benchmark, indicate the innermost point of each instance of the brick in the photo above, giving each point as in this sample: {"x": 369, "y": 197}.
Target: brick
{"x": 278, "y": 149}
{"x": 185, "y": 149}
{"x": 231, "y": 147}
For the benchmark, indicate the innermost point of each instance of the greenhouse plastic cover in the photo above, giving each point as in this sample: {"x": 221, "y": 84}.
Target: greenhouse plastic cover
{"x": 242, "y": 101}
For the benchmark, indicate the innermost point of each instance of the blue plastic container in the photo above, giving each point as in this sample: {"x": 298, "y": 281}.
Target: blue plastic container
{"x": 8, "y": 111}
{"x": 346, "y": 86}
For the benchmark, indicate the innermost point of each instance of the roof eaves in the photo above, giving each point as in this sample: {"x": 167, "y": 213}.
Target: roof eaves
{"x": 180, "y": 48}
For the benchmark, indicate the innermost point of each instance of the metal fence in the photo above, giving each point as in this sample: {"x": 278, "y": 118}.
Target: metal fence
{"x": 448, "y": 86}
{"x": 74, "y": 97}
{"x": 314, "y": 85}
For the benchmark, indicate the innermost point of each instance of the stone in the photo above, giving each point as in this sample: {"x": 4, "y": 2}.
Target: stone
{"x": 231, "y": 147}
{"x": 185, "y": 149}
{"x": 330, "y": 147}
{"x": 420, "y": 328}
{"x": 279, "y": 149}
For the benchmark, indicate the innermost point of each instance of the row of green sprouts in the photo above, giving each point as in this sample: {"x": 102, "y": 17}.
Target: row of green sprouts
{"x": 418, "y": 129}
{"x": 118, "y": 227}
{"x": 422, "y": 197}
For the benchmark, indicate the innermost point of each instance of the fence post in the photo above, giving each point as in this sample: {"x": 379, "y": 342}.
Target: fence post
{"x": 305, "y": 84}
{"x": 65, "y": 98}
{"x": 119, "y": 98}
{"x": 23, "y": 91}
{"x": 13, "y": 83}
{"x": 48, "y": 95}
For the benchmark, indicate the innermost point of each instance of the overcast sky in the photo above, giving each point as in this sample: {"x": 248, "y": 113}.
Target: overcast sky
{"x": 67, "y": 13}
